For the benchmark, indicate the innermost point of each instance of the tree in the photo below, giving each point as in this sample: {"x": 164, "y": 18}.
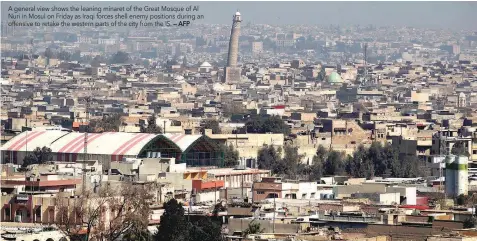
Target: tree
{"x": 231, "y": 156}
{"x": 360, "y": 164}
{"x": 126, "y": 207}
{"x": 316, "y": 169}
{"x": 174, "y": 225}
{"x": 76, "y": 56}
{"x": 109, "y": 123}
{"x": 205, "y": 229}
{"x": 253, "y": 228}
{"x": 152, "y": 127}
{"x": 461, "y": 199}
{"x": 334, "y": 164}
{"x": 322, "y": 75}
{"x": 97, "y": 60}
{"x": 212, "y": 124}
{"x": 129, "y": 211}
{"x": 48, "y": 53}
{"x": 29, "y": 159}
{"x": 39, "y": 156}
{"x": 81, "y": 214}
{"x": 470, "y": 222}
{"x": 376, "y": 153}
{"x": 63, "y": 55}
{"x": 459, "y": 149}
{"x": 290, "y": 165}
{"x": 119, "y": 58}
{"x": 273, "y": 124}
{"x": 137, "y": 236}
{"x": 219, "y": 207}
{"x": 267, "y": 155}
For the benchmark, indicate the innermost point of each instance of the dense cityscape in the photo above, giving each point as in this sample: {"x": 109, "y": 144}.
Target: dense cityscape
{"x": 242, "y": 131}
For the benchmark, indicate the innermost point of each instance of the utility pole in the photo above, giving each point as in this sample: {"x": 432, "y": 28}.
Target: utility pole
{"x": 242, "y": 187}
{"x": 85, "y": 150}
{"x": 274, "y": 211}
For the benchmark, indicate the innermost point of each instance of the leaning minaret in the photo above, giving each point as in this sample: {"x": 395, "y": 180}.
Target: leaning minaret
{"x": 233, "y": 44}
{"x": 232, "y": 72}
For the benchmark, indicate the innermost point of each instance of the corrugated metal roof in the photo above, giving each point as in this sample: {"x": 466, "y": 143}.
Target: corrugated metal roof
{"x": 108, "y": 143}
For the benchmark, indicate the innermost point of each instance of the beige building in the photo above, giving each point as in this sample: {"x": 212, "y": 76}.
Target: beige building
{"x": 249, "y": 144}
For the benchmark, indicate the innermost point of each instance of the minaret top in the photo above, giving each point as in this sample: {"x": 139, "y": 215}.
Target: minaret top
{"x": 237, "y": 17}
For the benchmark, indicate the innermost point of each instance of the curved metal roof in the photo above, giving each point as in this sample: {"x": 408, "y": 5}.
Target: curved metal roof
{"x": 107, "y": 143}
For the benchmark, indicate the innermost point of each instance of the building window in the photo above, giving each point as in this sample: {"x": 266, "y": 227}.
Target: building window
{"x": 38, "y": 212}
{"x": 7, "y": 212}
{"x": 474, "y": 152}
{"x": 260, "y": 192}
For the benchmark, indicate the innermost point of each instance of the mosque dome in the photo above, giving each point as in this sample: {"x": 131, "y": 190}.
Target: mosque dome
{"x": 334, "y": 78}
{"x": 206, "y": 65}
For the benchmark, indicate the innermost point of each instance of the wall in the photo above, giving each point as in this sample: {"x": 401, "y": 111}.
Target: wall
{"x": 42, "y": 236}
{"x": 389, "y": 198}
{"x": 242, "y": 224}
{"x": 231, "y": 193}
{"x": 177, "y": 180}
{"x": 249, "y": 144}
{"x": 210, "y": 196}
{"x": 408, "y": 192}
{"x": 344, "y": 191}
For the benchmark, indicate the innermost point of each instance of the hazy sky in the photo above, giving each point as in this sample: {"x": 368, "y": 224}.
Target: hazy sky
{"x": 456, "y": 15}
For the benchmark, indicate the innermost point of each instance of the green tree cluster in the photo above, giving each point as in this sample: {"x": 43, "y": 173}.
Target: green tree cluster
{"x": 109, "y": 123}
{"x": 231, "y": 156}
{"x": 175, "y": 226}
{"x": 261, "y": 124}
{"x": 39, "y": 156}
{"x": 212, "y": 124}
{"x": 377, "y": 160}
{"x": 253, "y": 228}
{"x": 119, "y": 58}
{"x": 289, "y": 166}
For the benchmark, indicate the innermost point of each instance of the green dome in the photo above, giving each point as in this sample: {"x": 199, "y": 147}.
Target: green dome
{"x": 334, "y": 78}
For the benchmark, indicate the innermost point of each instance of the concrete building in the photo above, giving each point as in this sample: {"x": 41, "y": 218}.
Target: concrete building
{"x": 273, "y": 187}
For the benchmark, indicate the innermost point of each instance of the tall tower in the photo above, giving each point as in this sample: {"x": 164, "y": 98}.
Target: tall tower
{"x": 232, "y": 72}
{"x": 233, "y": 44}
